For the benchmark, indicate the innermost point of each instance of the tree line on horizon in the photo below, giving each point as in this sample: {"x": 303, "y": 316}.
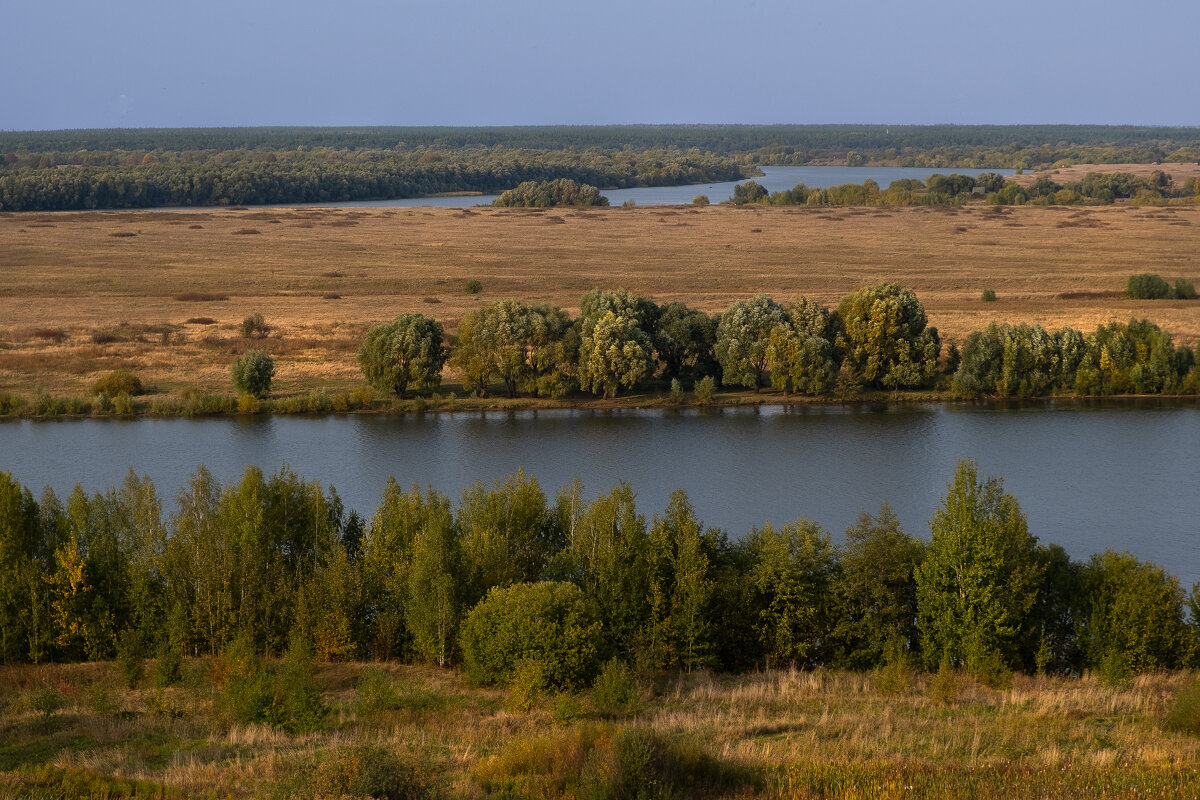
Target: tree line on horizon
{"x": 73, "y": 170}
{"x": 876, "y": 338}
{"x": 506, "y": 575}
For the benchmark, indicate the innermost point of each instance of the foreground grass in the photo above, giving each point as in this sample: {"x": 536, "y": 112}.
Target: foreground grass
{"x": 163, "y": 293}
{"x": 778, "y": 734}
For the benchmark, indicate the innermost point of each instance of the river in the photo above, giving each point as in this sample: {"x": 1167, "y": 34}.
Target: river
{"x": 1123, "y": 476}
{"x": 774, "y": 179}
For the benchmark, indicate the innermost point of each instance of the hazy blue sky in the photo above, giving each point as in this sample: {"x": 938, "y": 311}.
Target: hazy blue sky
{"x": 132, "y": 63}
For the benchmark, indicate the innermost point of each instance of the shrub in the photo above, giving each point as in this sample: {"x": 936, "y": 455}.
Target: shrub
{"x": 255, "y": 327}
{"x": 376, "y": 694}
{"x": 46, "y": 701}
{"x": 547, "y": 622}
{"x": 628, "y": 203}
{"x": 252, "y": 373}
{"x": 700, "y": 200}
{"x": 473, "y": 287}
{"x": 1147, "y": 286}
{"x": 168, "y": 663}
{"x": 615, "y": 692}
{"x": 286, "y": 697}
{"x": 1184, "y": 290}
{"x": 943, "y": 686}
{"x": 568, "y": 708}
{"x": 9, "y": 403}
{"x": 676, "y": 390}
{"x": 118, "y": 382}
{"x": 989, "y": 295}
{"x": 367, "y": 770}
{"x": 1183, "y": 711}
{"x": 130, "y": 657}
{"x": 123, "y": 403}
{"x": 527, "y": 686}
{"x": 705, "y": 389}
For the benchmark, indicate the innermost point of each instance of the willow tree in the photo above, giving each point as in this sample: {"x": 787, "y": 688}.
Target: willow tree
{"x": 407, "y": 351}
{"x": 743, "y": 337}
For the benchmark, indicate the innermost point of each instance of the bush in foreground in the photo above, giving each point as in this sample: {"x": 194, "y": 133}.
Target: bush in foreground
{"x": 118, "y": 382}
{"x": 548, "y": 623}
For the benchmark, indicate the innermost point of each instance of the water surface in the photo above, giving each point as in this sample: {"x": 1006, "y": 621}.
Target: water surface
{"x": 1087, "y": 478}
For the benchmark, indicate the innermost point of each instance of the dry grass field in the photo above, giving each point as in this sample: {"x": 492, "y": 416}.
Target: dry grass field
{"x": 1179, "y": 172}
{"x": 779, "y": 734}
{"x": 84, "y": 293}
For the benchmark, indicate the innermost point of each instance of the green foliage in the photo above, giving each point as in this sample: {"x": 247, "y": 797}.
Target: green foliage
{"x": 496, "y": 341}
{"x": 980, "y": 577}
{"x": 287, "y": 696}
{"x": 876, "y": 590}
{"x": 549, "y": 623}
{"x": 433, "y": 605}
{"x": 118, "y": 382}
{"x": 368, "y": 770}
{"x": 747, "y": 193}
{"x": 407, "y": 351}
{"x": 131, "y": 657}
{"x": 556, "y": 192}
{"x": 376, "y": 693}
{"x": 1147, "y": 286}
{"x": 47, "y": 701}
{"x": 706, "y": 389}
{"x": 616, "y": 693}
{"x": 700, "y": 200}
{"x": 615, "y": 355}
{"x": 799, "y": 361}
{"x": 1020, "y": 361}
{"x": 591, "y": 761}
{"x": 884, "y": 338}
{"x": 252, "y": 373}
{"x": 255, "y": 327}
{"x": 788, "y": 586}
{"x": 683, "y": 339}
{"x": 1184, "y": 289}
{"x": 527, "y": 686}
{"x": 1183, "y": 711}
{"x": 944, "y": 685}
{"x": 989, "y": 295}
{"x": 473, "y": 286}
{"x": 743, "y": 340}
{"x": 1134, "y": 616}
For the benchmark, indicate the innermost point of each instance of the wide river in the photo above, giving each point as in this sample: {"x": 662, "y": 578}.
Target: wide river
{"x": 1089, "y": 478}
{"x": 774, "y": 179}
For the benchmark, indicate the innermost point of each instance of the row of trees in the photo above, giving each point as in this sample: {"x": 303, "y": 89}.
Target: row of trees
{"x": 936, "y": 190}
{"x": 545, "y": 194}
{"x": 876, "y": 338}
{"x": 1096, "y": 187}
{"x": 908, "y": 145}
{"x": 1027, "y": 361}
{"x": 252, "y": 177}
{"x": 505, "y": 574}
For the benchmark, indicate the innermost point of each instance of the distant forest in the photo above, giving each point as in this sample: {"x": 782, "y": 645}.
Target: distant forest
{"x": 141, "y": 168}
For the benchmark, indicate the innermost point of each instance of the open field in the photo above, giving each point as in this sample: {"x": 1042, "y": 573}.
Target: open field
{"x": 777, "y": 734}
{"x": 84, "y": 293}
{"x": 1178, "y": 172}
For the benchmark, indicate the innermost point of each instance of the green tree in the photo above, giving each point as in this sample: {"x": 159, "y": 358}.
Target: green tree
{"x": 405, "y": 352}
{"x": 387, "y": 563}
{"x": 799, "y": 361}
{"x": 616, "y": 354}
{"x": 1134, "y": 616}
{"x": 252, "y": 373}
{"x": 606, "y": 556}
{"x": 980, "y": 576}
{"x": 679, "y": 588}
{"x": 748, "y": 192}
{"x": 432, "y": 608}
{"x": 743, "y": 339}
{"x": 790, "y": 574}
{"x": 497, "y": 340}
{"x": 684, "y": 339}
{"x": 508, "y": 535}
{"x": 876, "y": 589}
{"x": 884, "y": 337}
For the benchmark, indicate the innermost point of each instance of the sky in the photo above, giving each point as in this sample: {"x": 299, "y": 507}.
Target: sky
{"x": 170, "y": 63}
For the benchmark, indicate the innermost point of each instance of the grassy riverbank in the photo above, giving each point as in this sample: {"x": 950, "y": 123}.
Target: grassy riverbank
{"x": 78, "y": 731}
{"x": 163, "y": 294}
